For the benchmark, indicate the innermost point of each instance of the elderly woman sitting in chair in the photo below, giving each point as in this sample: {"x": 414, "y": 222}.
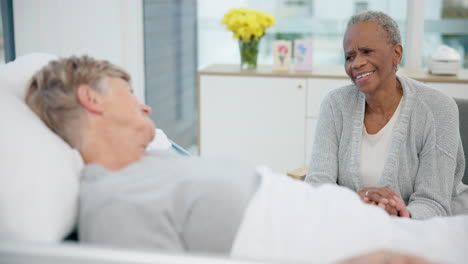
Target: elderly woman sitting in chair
{"x": 388, "y": 137}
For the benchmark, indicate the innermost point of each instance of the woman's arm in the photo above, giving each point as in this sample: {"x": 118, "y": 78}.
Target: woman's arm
{"x": 433, "y": 185}
{"x": 437, "y": 170}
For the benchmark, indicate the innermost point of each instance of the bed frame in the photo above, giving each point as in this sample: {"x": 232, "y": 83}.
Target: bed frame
{"x": 75, "y": 253}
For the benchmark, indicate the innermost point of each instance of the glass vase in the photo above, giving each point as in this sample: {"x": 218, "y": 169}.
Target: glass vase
{"x": 248, "y": 53}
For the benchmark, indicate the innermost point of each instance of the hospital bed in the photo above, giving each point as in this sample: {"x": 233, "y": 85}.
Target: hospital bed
{"x": 74, "y": 253}
{"x": 39, "y": 186}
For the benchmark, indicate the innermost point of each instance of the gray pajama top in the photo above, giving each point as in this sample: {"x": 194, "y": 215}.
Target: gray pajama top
{"x": 166, "y": 203}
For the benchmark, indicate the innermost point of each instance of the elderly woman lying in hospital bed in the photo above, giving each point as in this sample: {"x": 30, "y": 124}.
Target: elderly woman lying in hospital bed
{"x": 156, "y": 200}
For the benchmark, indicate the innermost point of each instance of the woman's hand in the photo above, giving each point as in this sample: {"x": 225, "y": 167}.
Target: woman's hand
{"x": 385, "y": 257}
{"x": 400, "y": 206}
{"x": 385, "y": 198}
{"x": 378, "y": 195}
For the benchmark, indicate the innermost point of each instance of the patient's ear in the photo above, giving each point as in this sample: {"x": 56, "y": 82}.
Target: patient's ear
{"x": 90, "y": 99}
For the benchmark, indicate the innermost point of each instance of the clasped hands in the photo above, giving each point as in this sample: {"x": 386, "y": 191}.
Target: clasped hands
{"x": 385, "y": 198}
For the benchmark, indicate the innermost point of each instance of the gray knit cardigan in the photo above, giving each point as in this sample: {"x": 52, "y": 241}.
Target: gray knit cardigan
{"x": 425, "y": 162}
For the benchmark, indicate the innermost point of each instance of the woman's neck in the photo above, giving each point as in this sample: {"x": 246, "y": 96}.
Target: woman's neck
{"x": 110, "y": 151}
{"x": 385, "y": 100}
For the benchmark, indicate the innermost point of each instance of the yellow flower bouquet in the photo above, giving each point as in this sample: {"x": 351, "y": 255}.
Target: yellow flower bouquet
{"x": 248, "y": 26}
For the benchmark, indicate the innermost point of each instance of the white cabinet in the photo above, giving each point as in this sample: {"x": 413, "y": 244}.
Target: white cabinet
{"x": 259, "y": 119}
{"x": 459, "y": 90}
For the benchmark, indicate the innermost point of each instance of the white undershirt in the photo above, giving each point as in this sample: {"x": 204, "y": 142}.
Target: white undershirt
{"x": 374, "y": 149}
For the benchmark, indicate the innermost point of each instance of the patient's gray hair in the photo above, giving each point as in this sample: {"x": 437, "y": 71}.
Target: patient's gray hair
{"x": 385, "y": 21}
{"x": 52, "y": 93}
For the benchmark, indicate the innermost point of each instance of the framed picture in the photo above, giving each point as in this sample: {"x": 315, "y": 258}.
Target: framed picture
{"x": 282, "y": 55}
{"x": 303, "y": 54}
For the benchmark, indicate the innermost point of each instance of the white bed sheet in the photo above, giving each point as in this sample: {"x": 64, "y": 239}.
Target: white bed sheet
{"x": 290, "y": 220}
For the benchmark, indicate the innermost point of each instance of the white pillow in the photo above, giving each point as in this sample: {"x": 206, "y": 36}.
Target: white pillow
{"x": 160, "y": 141}
{"x": 15, "y": 76}
{"x": 39, "y": 172}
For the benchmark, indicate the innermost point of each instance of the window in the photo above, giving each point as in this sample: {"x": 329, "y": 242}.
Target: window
{"x": 2, "y": 46}
{"x": 360, "y": 7}
{"x": 319, "y": 20}
{"x": 171, "y": 66}
{"x": 7, "y": 42}
{"x": 446, "y": 22}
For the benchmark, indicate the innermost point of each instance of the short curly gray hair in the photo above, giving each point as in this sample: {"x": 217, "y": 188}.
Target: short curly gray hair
{"x": 52, "y": 92}
{"x": 384, "y": 20}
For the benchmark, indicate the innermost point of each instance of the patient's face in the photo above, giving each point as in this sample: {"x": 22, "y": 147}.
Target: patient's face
{"x": 127, "y": 115}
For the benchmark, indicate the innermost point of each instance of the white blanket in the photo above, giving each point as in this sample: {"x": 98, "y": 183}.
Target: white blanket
{"x": 288, "y": 220}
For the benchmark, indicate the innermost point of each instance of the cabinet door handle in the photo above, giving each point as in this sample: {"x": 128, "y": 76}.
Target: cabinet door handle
{"x": 299, "y": 86}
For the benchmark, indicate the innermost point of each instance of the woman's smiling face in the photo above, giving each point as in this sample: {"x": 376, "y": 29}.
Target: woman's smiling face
{"x": 370, "y": 58}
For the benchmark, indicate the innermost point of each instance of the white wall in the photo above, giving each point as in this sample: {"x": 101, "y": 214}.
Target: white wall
{"x": 104, "y": 29}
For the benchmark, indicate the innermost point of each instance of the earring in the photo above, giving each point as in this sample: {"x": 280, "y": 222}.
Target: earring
{"x": 395, "y": 67}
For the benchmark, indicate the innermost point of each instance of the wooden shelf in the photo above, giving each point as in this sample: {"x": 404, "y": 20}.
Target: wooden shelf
{"x": 333, "y": 72}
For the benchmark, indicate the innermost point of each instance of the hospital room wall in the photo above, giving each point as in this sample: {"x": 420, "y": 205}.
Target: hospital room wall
{"x": 105, "y": 29}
